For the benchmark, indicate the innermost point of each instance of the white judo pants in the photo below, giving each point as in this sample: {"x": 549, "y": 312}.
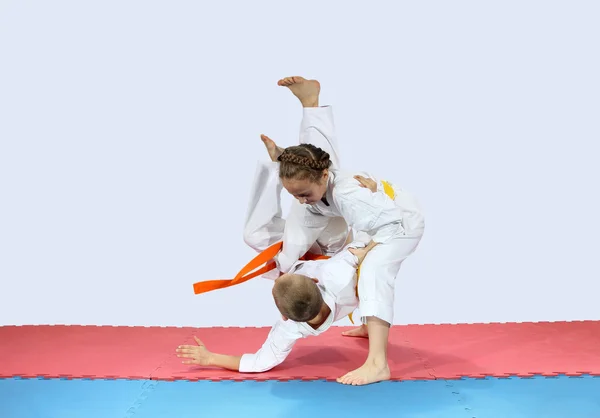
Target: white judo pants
{"x": 379, "y": 270}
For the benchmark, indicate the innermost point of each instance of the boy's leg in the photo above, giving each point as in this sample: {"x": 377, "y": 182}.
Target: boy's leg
{"x": 376, "y": 294}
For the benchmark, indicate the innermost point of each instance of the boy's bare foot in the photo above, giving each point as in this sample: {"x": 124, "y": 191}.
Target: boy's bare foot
{"x": 361, "y": 331}
{"x": 368, "y": 373}
{"x": 307, "y": 91}
{"x": 273, "y": 150}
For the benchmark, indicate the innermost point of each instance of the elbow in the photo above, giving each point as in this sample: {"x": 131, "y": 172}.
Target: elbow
{"x": 262, "y": 368}
{"x": 255, "y": 363}
{"x": 266, "y": 368}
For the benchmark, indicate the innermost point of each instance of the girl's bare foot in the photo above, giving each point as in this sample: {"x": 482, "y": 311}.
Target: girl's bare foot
{"x": 273, "y": 150}
{"x": 376, "y": 366}
{"x": 361, "y": 332}
{"x": 370, "y": 372}
{"x": 307, "y": 91}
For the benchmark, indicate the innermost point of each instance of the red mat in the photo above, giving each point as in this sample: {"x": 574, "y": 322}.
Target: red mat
{"x": 415, "y": 352}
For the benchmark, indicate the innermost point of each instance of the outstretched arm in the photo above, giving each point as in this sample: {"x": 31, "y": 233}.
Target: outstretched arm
{"x": 199, "y": 355}
{"x": 274, "y": 351}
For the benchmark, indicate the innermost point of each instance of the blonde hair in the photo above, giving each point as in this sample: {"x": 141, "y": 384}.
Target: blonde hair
{"x": 297, "y": 297}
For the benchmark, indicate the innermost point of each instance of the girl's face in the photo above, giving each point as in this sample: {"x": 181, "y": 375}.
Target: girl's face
{"x": 306, "y": 191}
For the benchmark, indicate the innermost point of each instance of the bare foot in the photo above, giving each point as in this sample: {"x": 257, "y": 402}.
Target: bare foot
{"x": 307, "y": 91}
{"x": 368, "y": 373}
{"x": 273, "y": 150}
{"x": 362, "y": 332}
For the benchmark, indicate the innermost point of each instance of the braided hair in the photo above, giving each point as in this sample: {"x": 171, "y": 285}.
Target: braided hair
{"x": 304, "y": 161}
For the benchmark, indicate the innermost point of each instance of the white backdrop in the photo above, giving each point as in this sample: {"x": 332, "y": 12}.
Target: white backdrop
{"x": 130, "y": 132}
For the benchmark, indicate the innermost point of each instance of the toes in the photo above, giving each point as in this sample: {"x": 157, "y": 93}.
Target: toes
{"x": 268, "y": 141}
{"x": 343, "y": 379}
{"x": 348, "y": 378}
{"x": 358, "y": 381}
{"x": 288, "y": 81}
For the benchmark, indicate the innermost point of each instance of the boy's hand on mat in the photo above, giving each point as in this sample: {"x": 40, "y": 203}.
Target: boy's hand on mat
{"x": 196, "y": 354}
{"x": 367, "y": 183}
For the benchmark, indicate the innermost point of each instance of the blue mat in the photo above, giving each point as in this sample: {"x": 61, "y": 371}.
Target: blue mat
{"x": 57, "y": 398}
{"x": 562, "y": 397}
{"x": 296, "y": 399}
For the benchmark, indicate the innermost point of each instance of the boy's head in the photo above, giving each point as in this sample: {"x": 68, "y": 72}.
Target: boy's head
{"x": 297, "y": 297}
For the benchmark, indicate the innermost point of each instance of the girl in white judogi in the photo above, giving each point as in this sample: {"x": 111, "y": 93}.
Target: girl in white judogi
{"x": 395, "y": 224}
{"x": 264, "y": 225}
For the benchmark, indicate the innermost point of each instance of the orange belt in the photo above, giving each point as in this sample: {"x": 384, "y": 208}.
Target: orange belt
{"x": 262, "y": 258}
{"x": 245, "y": 273}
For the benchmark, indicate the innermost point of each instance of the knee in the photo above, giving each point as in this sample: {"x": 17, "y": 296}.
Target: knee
{"x": 251, "y": 239}
{"x": 376, "y": 279}
{"x": 335, "y": 236}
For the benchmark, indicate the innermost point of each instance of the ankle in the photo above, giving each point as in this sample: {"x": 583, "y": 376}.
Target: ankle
{"x": 310, "y": 102}
{"x": 379, "y": 361}
{"x": 278, "y": 153}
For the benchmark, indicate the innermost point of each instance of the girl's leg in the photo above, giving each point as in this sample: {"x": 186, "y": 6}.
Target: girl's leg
{"x": 264, "y": 223}
{"x": 376, "y": 294}
{"x": 317, "y": 126}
